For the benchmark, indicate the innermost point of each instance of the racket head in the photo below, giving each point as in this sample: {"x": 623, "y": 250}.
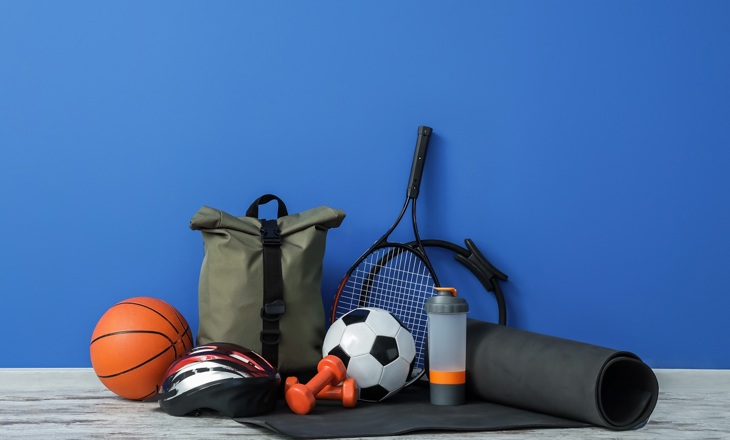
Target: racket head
{"x": 397, "y": 278}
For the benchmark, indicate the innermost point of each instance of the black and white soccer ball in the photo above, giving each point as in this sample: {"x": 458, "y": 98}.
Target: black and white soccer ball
{"x": 377, "y": 349}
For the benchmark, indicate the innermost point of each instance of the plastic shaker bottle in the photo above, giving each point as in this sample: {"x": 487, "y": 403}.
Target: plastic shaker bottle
{"x": 447, "y": 347}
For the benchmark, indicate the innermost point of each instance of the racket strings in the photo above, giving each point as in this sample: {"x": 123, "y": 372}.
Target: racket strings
{"x": 397, "y": 280}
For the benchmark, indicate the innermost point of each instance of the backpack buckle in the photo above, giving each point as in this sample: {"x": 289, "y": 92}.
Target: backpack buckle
{"x": 270, "y": 233}
{"x": 273, "y": 310}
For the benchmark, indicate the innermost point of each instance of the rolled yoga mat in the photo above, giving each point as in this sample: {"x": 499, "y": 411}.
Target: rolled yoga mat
{"x": 560, "y": 377}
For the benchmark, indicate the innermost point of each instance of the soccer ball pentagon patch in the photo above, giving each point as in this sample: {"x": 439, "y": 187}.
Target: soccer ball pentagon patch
{"x": 376, "y": 348}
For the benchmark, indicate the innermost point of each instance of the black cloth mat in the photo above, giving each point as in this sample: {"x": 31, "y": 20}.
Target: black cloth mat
{"x": 408, "y": 411}
{"x": 516, "y": 380}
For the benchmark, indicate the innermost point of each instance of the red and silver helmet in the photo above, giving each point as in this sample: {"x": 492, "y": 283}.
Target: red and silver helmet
{"x": 223, "y": 377}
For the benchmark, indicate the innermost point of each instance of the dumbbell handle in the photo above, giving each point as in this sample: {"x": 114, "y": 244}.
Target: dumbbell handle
{"x": 347, "y": 392}
{"x": 330, "y": 371}
{"x": 330, "y": 393}
{"x": 300, "y": 397}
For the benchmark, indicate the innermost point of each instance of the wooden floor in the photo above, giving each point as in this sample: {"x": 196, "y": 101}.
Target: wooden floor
{"x": 72, "y": 404}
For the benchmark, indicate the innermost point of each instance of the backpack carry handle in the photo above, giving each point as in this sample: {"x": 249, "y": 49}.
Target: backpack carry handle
{"x": 253, "y": 210}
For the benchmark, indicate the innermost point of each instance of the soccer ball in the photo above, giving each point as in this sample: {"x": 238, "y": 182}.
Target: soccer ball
{"x": 376, "y": 348}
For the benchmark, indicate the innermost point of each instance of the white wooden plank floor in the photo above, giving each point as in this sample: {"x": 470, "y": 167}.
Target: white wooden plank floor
{"x": 73, "y": 404}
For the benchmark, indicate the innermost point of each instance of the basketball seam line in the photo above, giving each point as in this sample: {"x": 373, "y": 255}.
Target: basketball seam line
{"x": 152, "y": 309}
{"x": 136, "y": 366}
{"x": 177, "y": 315}
{"x": 123, "y": 332}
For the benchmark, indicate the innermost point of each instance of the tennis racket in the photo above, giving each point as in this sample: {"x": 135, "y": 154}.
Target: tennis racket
{"x": 396, "y": 277}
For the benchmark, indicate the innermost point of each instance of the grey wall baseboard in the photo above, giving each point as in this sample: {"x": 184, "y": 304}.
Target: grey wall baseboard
{"x": 693, "y": 380}
{"x": 43, "y": 378}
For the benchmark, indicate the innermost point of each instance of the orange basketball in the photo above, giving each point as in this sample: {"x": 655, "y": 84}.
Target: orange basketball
{"x": 135, "y": 342}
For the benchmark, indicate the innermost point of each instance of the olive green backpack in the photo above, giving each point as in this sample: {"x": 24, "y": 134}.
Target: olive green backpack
{"x": 260, "y": 281}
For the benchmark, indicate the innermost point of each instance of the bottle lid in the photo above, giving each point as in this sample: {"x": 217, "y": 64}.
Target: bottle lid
{"x": 446, "y": 301}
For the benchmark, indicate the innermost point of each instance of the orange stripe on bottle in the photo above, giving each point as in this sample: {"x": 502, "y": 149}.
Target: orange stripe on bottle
{"x": 447, "y": 377}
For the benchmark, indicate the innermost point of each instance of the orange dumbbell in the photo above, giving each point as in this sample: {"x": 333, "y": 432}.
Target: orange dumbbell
{"x": 301, "y": 397}
{"x": 347, "y": 392}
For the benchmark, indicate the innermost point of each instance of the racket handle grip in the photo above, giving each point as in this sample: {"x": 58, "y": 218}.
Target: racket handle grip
{"x": 419, "y": 160}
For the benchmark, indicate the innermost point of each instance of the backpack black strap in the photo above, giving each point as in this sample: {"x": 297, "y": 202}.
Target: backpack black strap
{"x": 253, "y": 210}
{"x": 273, "y": 305}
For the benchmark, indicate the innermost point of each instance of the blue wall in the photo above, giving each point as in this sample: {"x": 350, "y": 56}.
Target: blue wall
{"x": 584, "y": 146}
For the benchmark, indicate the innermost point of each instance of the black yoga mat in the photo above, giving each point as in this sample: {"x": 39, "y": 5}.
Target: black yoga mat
{"x": 556, "y": 376}
{"x": 517, "y": 380}
{"x": 408, "y": 411}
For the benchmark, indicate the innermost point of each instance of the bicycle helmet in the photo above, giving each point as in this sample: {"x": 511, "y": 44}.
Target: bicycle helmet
{"x": 224, "y": 377}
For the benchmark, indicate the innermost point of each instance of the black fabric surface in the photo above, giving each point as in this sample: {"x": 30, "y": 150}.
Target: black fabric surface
{"x": 408, "y": 411}
{"x": 516, "y": 380}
